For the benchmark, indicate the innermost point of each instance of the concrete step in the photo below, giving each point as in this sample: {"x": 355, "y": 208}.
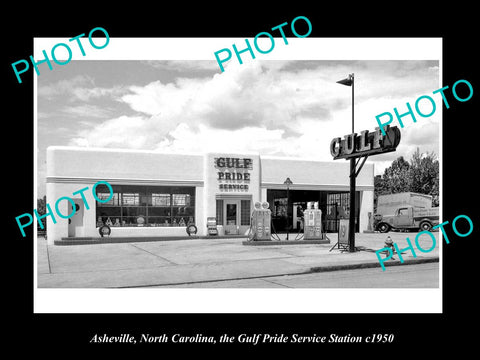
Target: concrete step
{"x": 88, "y": 240}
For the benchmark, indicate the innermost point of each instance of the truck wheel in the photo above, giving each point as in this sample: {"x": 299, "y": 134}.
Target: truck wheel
{"x": 383, "y": 228}
{"x": 425, "y": 226}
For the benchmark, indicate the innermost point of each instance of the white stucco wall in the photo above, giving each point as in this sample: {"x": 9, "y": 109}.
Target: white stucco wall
{"x": 309, "y": 174}
{"x": 131, "y": 165}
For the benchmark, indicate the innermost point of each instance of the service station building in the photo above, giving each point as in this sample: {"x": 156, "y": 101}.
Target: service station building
{"x": 158, "y": 194}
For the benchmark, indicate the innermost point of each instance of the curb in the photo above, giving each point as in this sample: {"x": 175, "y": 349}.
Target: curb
{"x": 284, "y": 242}
{"x": 311, "y": 271}
{"x": 373, "y": 264}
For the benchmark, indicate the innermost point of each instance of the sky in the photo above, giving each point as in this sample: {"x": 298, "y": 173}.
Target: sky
{"x": 288, "y": 108}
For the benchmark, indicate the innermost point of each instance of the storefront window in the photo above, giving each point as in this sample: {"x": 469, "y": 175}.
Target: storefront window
{"x": 130, "y": 199}
{"x": 137, "y": 206}
{"x": 160, "y": 199}
{"x": 114, "y": 201}
{"x": 338, "y": 207}
{"x": 245, "y": 212}
{"x": 219, "y": 212}
{"x": 181, "y": 199}
{"x": 280, "y": 207}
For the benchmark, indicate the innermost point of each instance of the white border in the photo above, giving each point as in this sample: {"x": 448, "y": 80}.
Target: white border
{"x": 164, "y": 300}
{"x": 204, "y": 49}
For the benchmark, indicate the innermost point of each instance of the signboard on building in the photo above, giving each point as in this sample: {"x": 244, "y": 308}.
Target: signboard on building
{"x": 233, "y": 173}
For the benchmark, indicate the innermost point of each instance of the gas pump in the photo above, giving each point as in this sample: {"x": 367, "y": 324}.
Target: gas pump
{"x": 260, "y": 221}
{"x": 312, "y": 222}
{"x": 212, "y": 226}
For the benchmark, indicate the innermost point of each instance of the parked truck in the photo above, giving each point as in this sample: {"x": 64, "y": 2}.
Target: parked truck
{"x": 405, "y": 211}
{"x": 409, "y": 218}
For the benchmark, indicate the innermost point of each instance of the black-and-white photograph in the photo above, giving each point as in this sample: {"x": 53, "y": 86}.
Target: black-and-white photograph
{"x": 304, "y": 172}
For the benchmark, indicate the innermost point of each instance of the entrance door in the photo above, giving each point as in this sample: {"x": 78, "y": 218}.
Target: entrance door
{"x": 75, "y": 223}
{"x": 231, "y": 217}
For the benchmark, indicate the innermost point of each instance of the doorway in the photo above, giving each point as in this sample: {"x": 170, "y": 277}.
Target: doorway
{"x": 233, "y": 214}
{"x": 75, "y": 223}
{"x": 232, "y": 217}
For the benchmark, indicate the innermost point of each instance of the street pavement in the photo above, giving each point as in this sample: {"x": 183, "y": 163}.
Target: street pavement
{"x": 424, "y": 275}
{"x": 197, "y": 261}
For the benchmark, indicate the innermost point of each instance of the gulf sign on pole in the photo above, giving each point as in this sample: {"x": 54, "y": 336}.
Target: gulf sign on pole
{"x": 355, "y": 145}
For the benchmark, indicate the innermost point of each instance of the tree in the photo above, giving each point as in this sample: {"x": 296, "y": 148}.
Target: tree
{"x": 379, "y": 189}
{"x": 424, "y": 174}
{"x": 396, "y": 177}
{"x": 420, "y": 175}
{"x": 42, "y": 209}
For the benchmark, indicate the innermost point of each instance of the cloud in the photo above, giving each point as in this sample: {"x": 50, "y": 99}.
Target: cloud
{"x": 245, "y": 96}
{"x": 184, "y": 138}
{"x": 181, "y": 65}
{"x": 425, "y": 134}
{"x": 158, "y": 98}
{"x": 87, "y": 110}
{"x": 79, "y": 88}
{"x": 289, "y": 108}
{"x": 68, "y": 86}
{"x": 122, "y": 132}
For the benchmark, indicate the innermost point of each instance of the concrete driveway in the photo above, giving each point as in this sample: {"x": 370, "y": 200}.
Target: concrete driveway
{"x": 140, "y": 264}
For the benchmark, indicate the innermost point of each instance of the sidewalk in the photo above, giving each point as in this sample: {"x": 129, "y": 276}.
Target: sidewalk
{"x": 163, "y": 263}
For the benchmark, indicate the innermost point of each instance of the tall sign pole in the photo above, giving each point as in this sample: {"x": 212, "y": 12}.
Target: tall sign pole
{"x": 350, "y": 81}
{"x": 351, "y": 224}
{"x": 355, "y": 146}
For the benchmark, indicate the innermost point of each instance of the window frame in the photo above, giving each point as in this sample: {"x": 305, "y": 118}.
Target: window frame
{"x": 141, "y": 203}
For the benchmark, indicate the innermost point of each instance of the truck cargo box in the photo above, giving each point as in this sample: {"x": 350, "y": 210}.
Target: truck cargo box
{"x": 387, "y": 204}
